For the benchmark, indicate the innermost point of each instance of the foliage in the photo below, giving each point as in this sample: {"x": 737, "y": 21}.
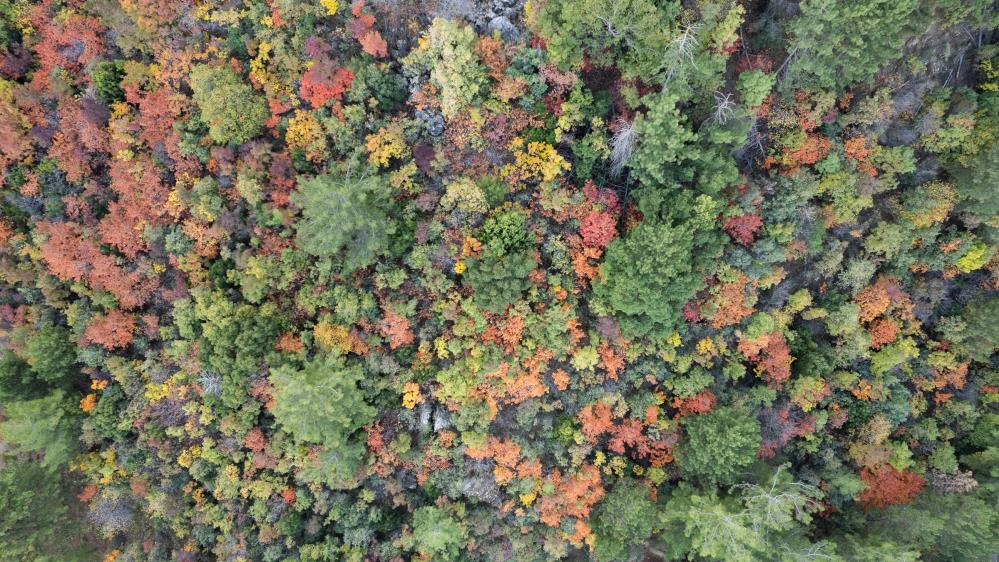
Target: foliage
{"x": 623, "y": 519}
{"x": 627, "y": 280}
{"x": 671, "y": 158}
{"x": 836, "y": 44}
{"x": 754, "y": 86}
{"x": 719, "y": 445}
{"x": 344, "y": 217}
{"x": 650, "y": 273}
{"x": 233, "y": 112}
{"x": 975, "y": 183}
{"x": 980, "y": 337}
{"x": 437, "y": 534}
{"x": 44, "y": 426}
{"x": 499, "y": 280}
{"x": 448, "y": 55}
{"x": 51, "y": 355}
{"x": 35, "y": 523}
{"x": 630, "y": 33}
{"x": 327, "y": 379}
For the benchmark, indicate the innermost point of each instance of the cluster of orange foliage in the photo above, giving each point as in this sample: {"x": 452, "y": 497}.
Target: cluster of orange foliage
{"x": 508, "y": 332}
{"x": 492, "y": 52}
{"x": 743, "y": 228}
{"x": 70, "y": 42}
{"x": 727, "y": 305}
{"x": 255, "y": 440}
{"x": 771, "y": 355}
{"x": 361, "y": 29}
{"x": 610, "y": 361}
{"x": 113, "y": 330}
{"x": 583, "y": 263}
{"x": 815, "y": 147}
{"x": 598, "y": 228}
{"x": 873, "y": 301}
{"x": 597, "y": 419}
{"x": 506, "y": 455}
{"x": 572, "y": 496}
{"x": 396, "y": 329}
{"x": 700, "y": 403}
{"x": 517, "y": 384}
{"x": 73, "y": 256}
{"x": 289, "y": 342}
{"x": 856, "y": 149}
{"x": 887, "y": 485}
{"x": 876, "y": 301}
{"x": 883, "y": 331}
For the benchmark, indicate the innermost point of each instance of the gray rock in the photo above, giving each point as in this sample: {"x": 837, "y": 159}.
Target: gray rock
{"x": 906, "y": 102}
{"x": 927, "y": 169}
{"x": 479, "y": 484}
{"x": 505, "y": 27}
{"x": 434, "y": 122}
{"x": 425, "y": 411}
{"x": 442, "y": 419}
{"x": 899, "y": 135}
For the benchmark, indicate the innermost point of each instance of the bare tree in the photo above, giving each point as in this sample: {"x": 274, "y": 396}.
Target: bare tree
{"x": 680, "y": 51}
{"x": 622, "y": 146}
{"x": 724, "y": 107}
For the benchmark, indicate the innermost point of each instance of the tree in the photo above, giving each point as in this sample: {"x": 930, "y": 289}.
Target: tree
{"x": 321, "y": 403}
{"x": 345, "y": 217}
{"x": 107, "y": 76}
{"x": 51, "y": 354}
{"x": 754, "y": 86}
{"x": 447, "y": 52}
{"x": 233, "y": 111}
{"x": 34, "y": 515}
{"x": 876, "y": 549}
{"x": 719, "y": 445}
{"x": 632, "y": 34}
{"x": 500, "y": 274}
{"x": 976, "y": 183}
{"x": 943, "y": 527}
{"x": 673, "y": 158}
{"x": 836, "y": 43}
{"x": 663, "y": 141}
{"x": 437, "y": 534}
{"x": 981, "y": 334}
{"x": 649, "y": 274}
{"x": 712, "y": 527}
{"x": 499, "y": 280}
{"x": 234, "y": 340}
{"x": 17, "y": 379}
{"x": 42, "y": 426}
{"x": 623, "y": 521}
{"x": 779, "y": 504}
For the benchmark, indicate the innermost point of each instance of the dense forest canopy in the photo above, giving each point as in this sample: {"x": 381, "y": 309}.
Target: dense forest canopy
{"x": 499, "y": 280}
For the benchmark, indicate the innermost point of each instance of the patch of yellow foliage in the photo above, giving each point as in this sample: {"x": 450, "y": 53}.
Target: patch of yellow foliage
{"x": 330, "y": 5}
{"x": 330, "y": 336}
{"x": 411, "y": 395}
{"x": 387, "y": 143}
{"x": 538, "y": 161}
{"x": 306, "y": 134}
